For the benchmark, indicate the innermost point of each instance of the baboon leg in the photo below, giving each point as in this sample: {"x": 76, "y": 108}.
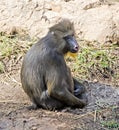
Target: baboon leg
{"x": 50, "y": 103}
{"x": 45, "y": 102}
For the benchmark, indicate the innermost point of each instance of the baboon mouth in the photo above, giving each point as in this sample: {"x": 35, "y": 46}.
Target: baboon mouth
{"x": 74, "y": 51}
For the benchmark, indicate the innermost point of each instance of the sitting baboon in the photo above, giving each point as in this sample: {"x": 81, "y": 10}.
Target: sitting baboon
{"x": 45, "y": 76}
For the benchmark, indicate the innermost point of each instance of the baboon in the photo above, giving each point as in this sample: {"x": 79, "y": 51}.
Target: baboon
{"x": 45, "y": 76}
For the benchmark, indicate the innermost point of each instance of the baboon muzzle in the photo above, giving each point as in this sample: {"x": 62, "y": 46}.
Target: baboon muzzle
{"x": 72, "y": 43}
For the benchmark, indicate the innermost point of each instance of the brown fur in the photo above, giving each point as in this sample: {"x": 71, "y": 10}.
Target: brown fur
{"x": 45, "y": 76}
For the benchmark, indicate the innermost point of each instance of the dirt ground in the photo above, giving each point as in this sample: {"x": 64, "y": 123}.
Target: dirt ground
{"x": 101, "y": 113}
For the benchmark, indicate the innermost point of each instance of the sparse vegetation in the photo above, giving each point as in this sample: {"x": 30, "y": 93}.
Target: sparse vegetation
{"x": 110, "y": 124}
{"x": 98, "y": 62}
{"x": 94, "y": 61}
{"x": 13, "y": 49}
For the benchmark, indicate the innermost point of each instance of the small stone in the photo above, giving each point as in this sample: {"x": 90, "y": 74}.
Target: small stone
{"x": 34, "y": 128}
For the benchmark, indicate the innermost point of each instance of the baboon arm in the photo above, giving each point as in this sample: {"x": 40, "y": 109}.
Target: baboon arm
{"x": 58, "y": 81}
{"x": 68, "y": 98}
{"x": 57, "y": 88}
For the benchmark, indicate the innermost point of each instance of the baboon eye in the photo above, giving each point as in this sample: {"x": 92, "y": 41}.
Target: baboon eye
{"x": 72, "y": 35}
{"x": 66, "y": 37}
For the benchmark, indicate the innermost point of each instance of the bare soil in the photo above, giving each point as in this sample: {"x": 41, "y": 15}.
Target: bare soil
{"x": 101, "y": 113}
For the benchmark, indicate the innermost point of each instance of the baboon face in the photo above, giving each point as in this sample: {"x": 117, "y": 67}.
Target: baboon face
{"x": 71, "y": 43}
{"x": 64, "y": 32}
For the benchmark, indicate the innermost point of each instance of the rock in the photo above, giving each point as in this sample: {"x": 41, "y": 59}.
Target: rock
{"x": 95, "y": 20}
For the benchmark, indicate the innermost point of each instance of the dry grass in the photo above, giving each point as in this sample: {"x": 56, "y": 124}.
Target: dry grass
{"x": 95, "y": 61}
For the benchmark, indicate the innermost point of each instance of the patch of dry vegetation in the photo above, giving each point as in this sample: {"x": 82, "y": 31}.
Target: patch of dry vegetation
{"x": 95, "y": 61}
{"x": 12, "y": 50}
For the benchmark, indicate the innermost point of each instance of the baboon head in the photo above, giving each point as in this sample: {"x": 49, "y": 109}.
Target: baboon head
{"x": 65, "y": 36}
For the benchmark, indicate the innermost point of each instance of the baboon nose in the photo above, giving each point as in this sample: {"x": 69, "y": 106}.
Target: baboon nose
{"x": 76, "y": 48}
